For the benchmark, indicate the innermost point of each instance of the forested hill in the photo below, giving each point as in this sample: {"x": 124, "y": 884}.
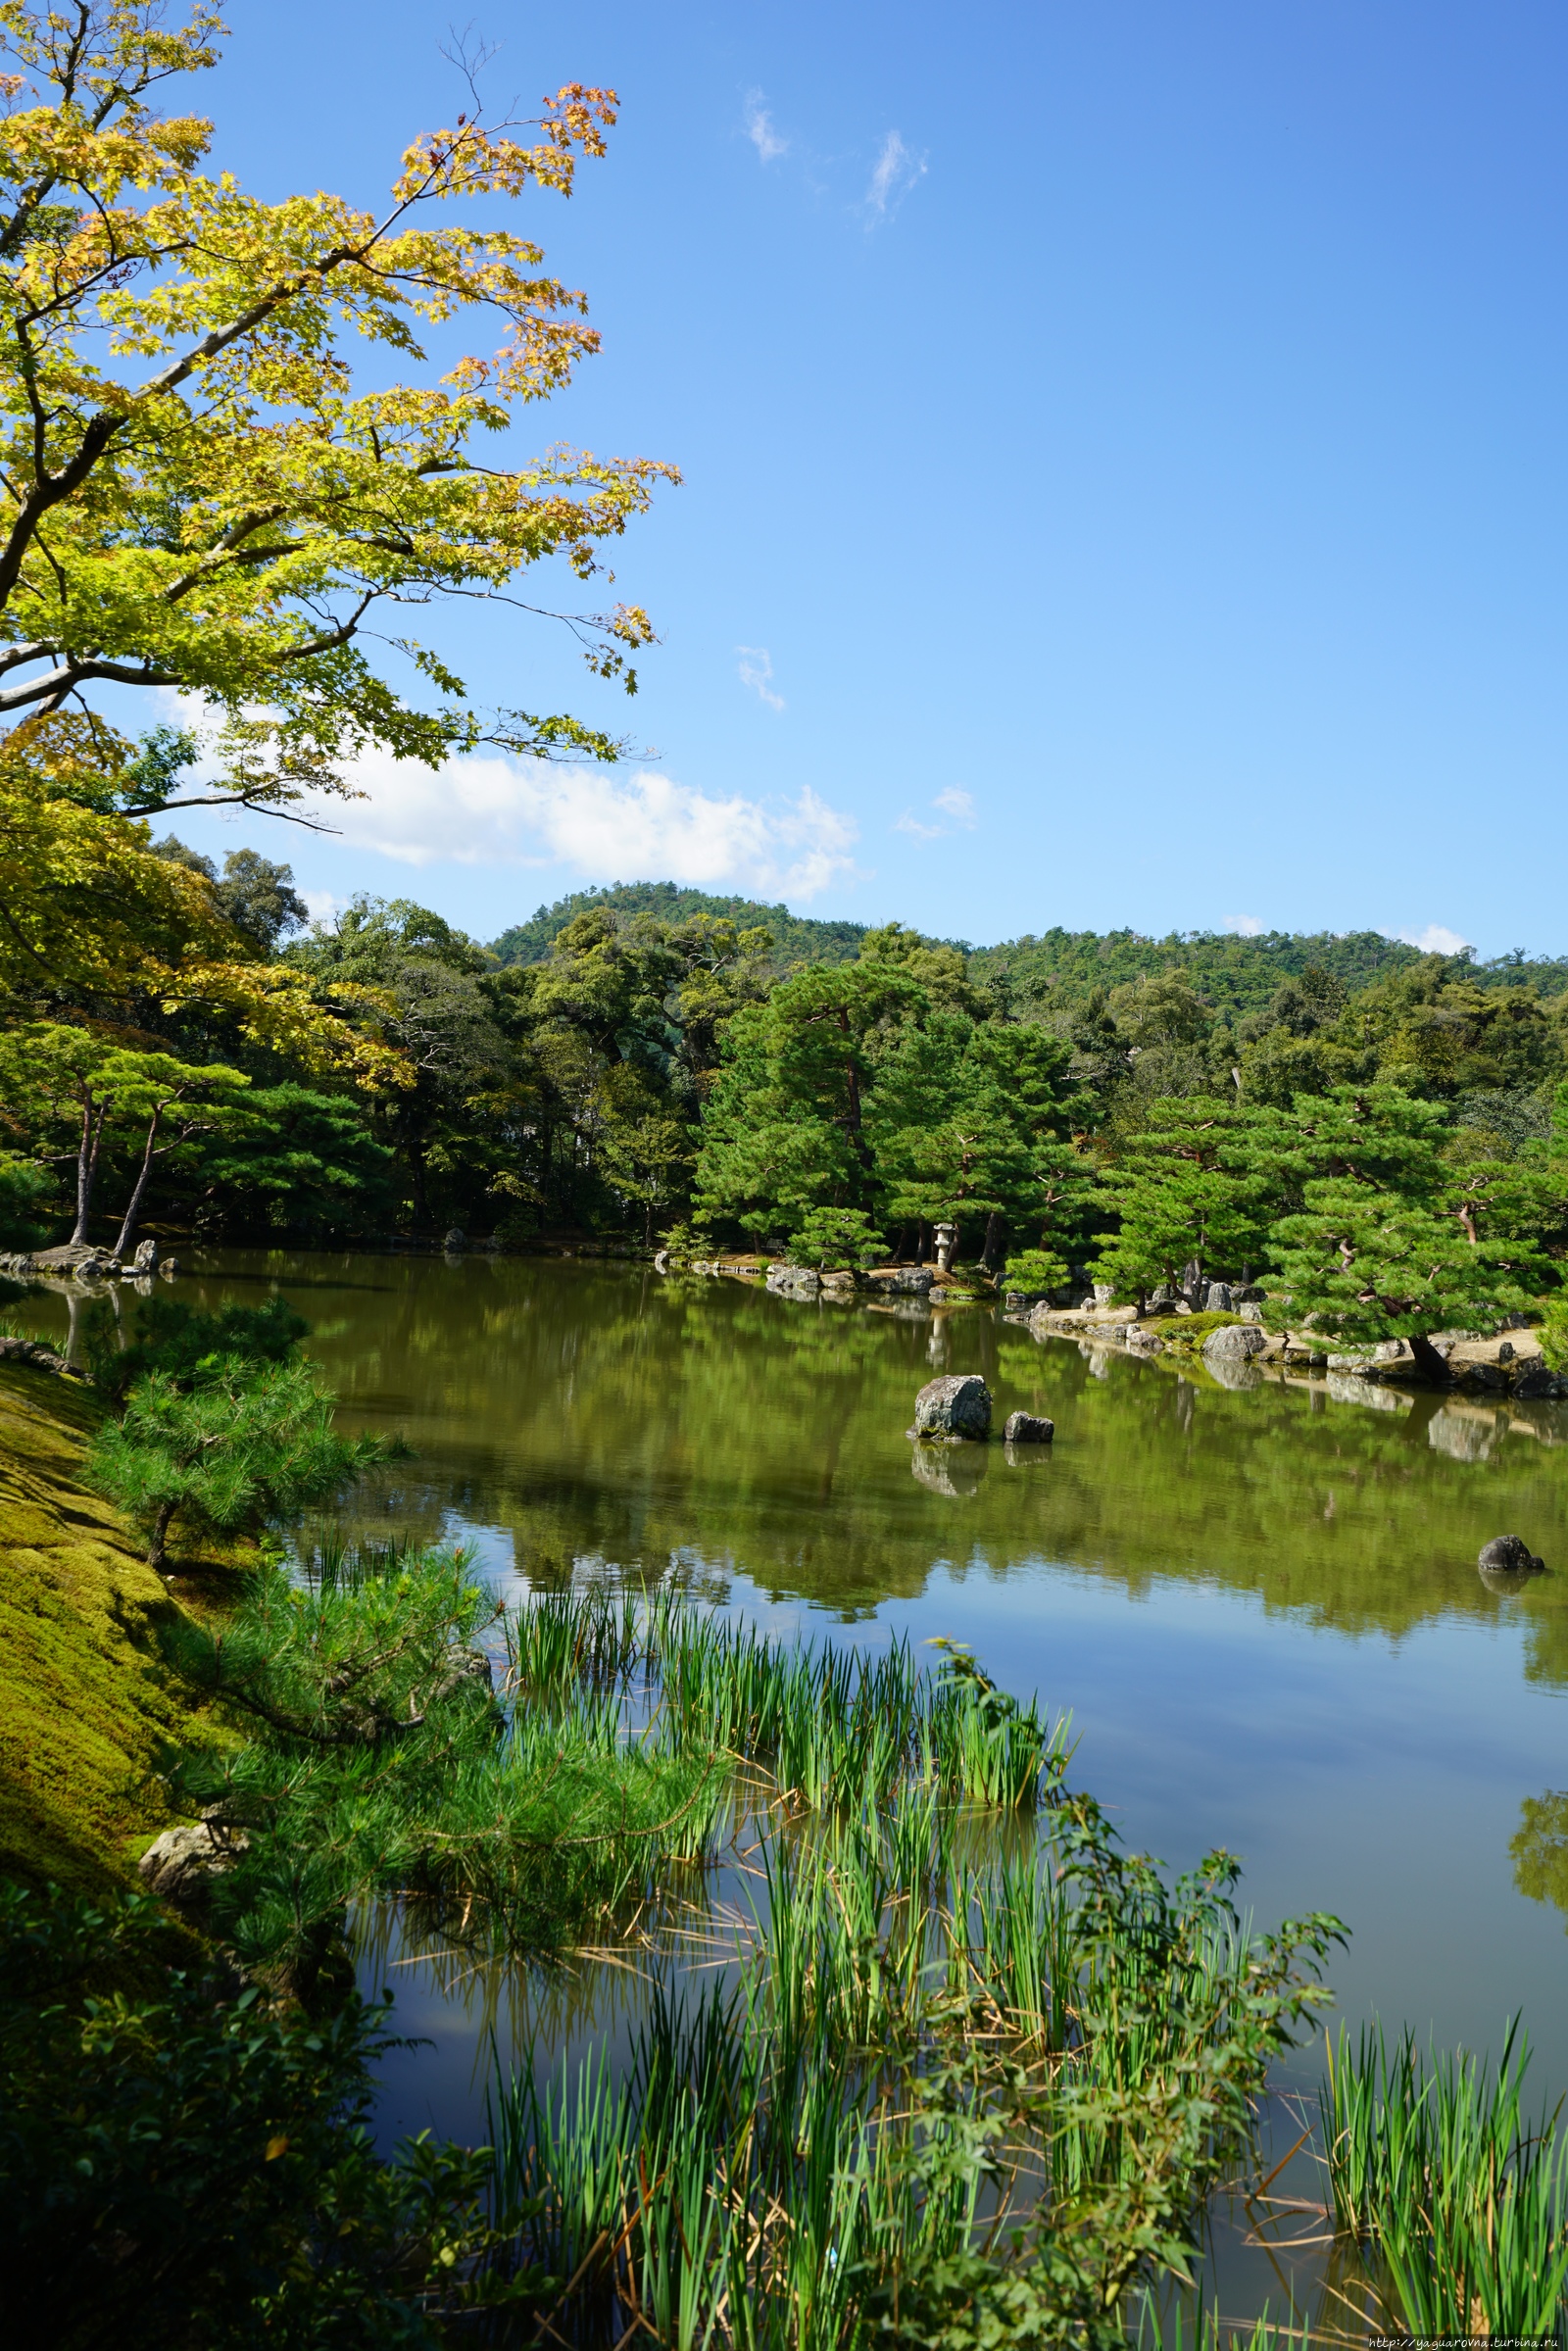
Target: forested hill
{"x": 1231, "y": 973}
{"x": 1058, "y": 967}
{"x": 797, "y": 938}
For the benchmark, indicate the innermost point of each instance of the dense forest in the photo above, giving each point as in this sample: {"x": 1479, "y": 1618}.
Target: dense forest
{"x": 655, "y": 1064}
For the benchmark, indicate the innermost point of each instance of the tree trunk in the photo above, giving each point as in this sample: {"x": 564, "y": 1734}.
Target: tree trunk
{"x": 1429, "y": 1363}
{"x": 161, "y": 1524}
{"x": 422, "y": 1206}
{"x": 922, "y": 1243}
{"x": 991, "y": 1254}
{"x": 128, "y": 1229}
{"x": 93, "y": 1115}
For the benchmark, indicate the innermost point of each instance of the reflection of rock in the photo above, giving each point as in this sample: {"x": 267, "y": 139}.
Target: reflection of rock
{"x": 1227, "y": 1372}
{"x": 957, "y": 1406}
{"x": 1345, "y": 1389}
{"x": 955, "y": 1470}
{"x": 1509, "y": 1555}
{"x": 1462, "y": 1436}
{"x": 1026, "y": 1427}
{"x": 1021, "y": 1456}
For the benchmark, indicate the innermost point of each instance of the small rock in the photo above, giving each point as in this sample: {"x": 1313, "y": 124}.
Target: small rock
{"x": 1026, "y": 1427}
{"x": 661, "y": 1260}
{"x": 1234, "y": 1343}
{"x": 146, "y": 1258}
{"x": 1505, "y": 1351}
{"x": 1181, "y": 1307}
{"x": 169, "y": 1267}
{"x": 1218, "y": 1298}
{"x": 179, "y": 1865}
{"x": 1509, "y": 1555}
{"x": 1105, "y": 1293}
{"x": 1164, "y": 1299}
{"x": 1251, "y": 1312}
{"x": 456, "y": 1238}
{"x": 957, "y": 1406}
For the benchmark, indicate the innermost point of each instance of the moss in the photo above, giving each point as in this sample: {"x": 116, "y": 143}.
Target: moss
{"x": 85, "y": 1701}
{"x": 1186, "y": 1330}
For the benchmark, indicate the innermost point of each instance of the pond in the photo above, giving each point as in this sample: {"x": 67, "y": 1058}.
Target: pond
{"x": 1262, "y": 1609}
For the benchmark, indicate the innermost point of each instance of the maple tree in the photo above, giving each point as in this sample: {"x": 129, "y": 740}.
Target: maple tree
{"x": 194, "y": 491}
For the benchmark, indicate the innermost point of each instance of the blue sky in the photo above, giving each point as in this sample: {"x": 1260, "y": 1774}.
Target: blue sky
{"x": 1124, "y": 451}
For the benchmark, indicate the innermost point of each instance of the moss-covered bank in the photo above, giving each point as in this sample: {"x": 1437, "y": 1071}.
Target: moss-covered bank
{"x": 85, "y": 1701}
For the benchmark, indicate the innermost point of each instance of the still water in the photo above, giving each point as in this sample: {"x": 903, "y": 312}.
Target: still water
{"x": 1262, "y": 1609}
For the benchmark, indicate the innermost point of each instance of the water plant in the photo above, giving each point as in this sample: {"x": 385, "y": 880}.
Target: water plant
{"x": 1462, "y": 2200}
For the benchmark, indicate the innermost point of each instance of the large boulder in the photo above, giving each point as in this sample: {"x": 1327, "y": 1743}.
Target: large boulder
{"x": 794, "y": 1281}
{"x": 1509, "y": 1555}
{"x": 1218, "y": 1298}
{"x": 903, "y": 1280}
{"x": 146, "y": 1258}
{"x": 1027, "y": 1428}
{"x": 1234, "y": 1343}
{"x": 957, "y": 1406}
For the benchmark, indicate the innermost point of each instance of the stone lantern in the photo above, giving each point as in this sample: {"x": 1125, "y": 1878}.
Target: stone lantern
{"x": 946, "y": 1239}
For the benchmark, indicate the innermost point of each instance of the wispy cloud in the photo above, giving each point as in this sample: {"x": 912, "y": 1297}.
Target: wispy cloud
{"x": 322, "y": 904}
{"x": 953, "y": 802}
{"x": 759, "y": 130}
{"x": 757, "y": 671}
{"x": 893, "y": 175}
{"x": 1436, "y": 939}
{"x": 1246, "y": 926}
{"x": 605, "y": 826}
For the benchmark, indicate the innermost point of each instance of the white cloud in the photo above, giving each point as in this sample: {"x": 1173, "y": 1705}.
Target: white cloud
{"x": 322, "y": 904}
{"x": 1246, "y": 926}
{"x": 1436, "y": 939}
{"x": 606, "y": 826}
{"x": 893, "y": 175}
{"x": 757, "y": 671}
{"x": 759, "y": 130}
{"x": 953, "y": 802}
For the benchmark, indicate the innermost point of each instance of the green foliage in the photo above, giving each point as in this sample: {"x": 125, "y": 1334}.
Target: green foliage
{"x": 793, "y": 938}
{"x": 237, "y": 1444}
{"x": 1035, "y": 1269}
{"x": 1539, "y": 1850}
{"x": 837, "y": 1236}
{"x": 186, "y": 2164}
{"x": 188, "y": 1345}
{"x": 1466, "y": 2200}
{"x": 25, "y": 1189}
{"x": 379, "y": 1763}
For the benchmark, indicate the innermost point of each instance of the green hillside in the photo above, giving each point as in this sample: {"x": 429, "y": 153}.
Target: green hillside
{"x": 797, "y": 938}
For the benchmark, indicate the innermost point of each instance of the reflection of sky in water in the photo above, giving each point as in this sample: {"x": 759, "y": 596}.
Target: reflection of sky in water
{"x": 1261, "y": 1608}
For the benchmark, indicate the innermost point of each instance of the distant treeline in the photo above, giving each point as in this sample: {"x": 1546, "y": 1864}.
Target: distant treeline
{"x": 655, "y": 1061}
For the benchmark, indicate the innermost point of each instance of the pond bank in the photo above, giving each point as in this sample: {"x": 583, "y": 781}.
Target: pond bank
{"x": 85, "y": 1701}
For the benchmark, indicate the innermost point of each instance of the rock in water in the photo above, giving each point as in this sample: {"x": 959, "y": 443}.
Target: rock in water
{"x": 146, "y": 1258}
{"x": 1509, "y": 1555}
{"x": 794, "y": 1281}
{"x": 1234, "y": 1343}
{"x": 1026, "y": 1428}
{"x": 958, "y": 1405}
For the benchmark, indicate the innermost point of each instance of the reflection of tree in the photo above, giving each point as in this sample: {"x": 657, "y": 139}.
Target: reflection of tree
{"x": 599, "y": 1413}
{"x": 1540, "y": 1849}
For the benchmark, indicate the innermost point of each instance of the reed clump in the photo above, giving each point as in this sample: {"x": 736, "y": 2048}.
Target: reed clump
{"x": 1459, "y": 2199}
